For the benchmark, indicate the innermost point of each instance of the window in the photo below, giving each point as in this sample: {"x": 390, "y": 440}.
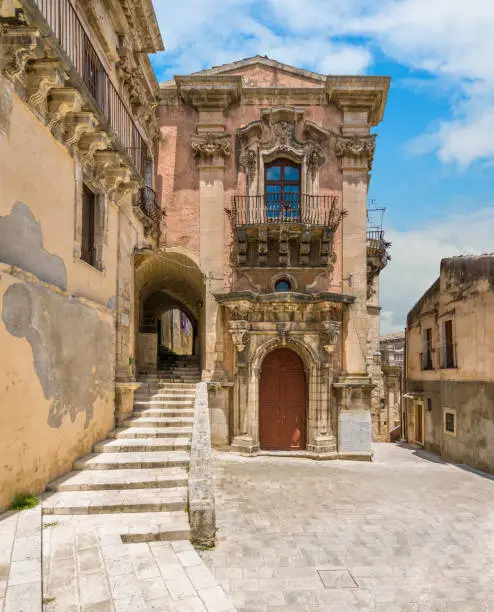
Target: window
{"x": 282, "y": 183}
{"x": 447, "y": 347}
{"x": 283, "y": 285}
{"x": 426, "y": 355}
{"x": 450, "y": 421}
{"x": 429, "y": 404}
{"x": 88, "y": 251}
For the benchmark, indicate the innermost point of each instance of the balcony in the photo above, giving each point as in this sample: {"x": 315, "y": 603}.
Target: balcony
{"x": 377, "y": 257}
{"x": 376, "y": 245}
{"x": 287, "y": 208}
{"x": 68, "y": 31}
{"x": 149, "y": 211}
{"x": 285, "y": 230}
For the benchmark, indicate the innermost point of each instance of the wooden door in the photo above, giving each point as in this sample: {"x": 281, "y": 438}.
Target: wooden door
{"x": 282, "y": 402}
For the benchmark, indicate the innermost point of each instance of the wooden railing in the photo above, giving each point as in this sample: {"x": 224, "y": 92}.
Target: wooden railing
{"x": 274, "y": 208}
{"x": 71, "y": 35}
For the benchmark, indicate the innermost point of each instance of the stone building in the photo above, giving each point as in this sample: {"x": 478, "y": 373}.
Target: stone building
{"x": 450, "y": 363}
{"x": 78, "y": 144}
{"x": 234, "y": 197}
{"x": 392, "y": 349}
{"x": 264, "y": 171}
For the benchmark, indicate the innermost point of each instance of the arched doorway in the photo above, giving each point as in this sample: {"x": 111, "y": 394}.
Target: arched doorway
{"x": 282, "y": 402}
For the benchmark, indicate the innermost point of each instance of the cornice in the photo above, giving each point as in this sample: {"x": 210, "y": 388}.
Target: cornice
{"x": 359, "y": 92}
{"x": 218, "y": 92}
{"x": 287, "y": 298}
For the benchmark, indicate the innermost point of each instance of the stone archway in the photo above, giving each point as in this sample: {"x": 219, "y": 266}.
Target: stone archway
{"x": 282, "y": 402}
{"x": 165, "y": 282}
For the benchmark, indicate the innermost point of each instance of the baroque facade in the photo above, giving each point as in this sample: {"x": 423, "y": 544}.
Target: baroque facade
{"x": 449, "y": 373}
{"x": 265, "y": 171}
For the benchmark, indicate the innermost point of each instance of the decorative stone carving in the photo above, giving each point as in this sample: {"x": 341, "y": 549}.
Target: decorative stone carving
{"x": 77, "y": 124}
{"x": 89, "y": 144}
{"x": 238, "y": 330}
{"x": 262, "y": 245}
{"x": 62, "y": 101}
{"x": 305, "y": 247}
{"x": 209, "y": 144}
{"x": 332, "y": 331}
{"x": 17, "y": 46}
{"x": 357, "y": 146}
{"x": 284, "y": 247}
{"x": 242, "y": 246}
{"x": 43, "y": 75}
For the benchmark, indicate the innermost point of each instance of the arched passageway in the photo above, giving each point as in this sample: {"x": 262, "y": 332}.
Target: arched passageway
{"x": 282, "y": 402}
{"x": 170, "y": 295}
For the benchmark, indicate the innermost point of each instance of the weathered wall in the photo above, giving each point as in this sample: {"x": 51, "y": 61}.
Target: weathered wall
{"x": 56, "y": 332}
{"x": 464, "y": 294}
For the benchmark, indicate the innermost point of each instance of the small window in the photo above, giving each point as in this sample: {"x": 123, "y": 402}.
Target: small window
{"x": 450, "y": 421}
{"x": 429, "y": 404}
{"x": 283, "y": 285}
{"x": 282, "y": 182}
{"x": 88, "y": 251}
{"x": 448, "y": 348}
{"x": 426, "y": 355}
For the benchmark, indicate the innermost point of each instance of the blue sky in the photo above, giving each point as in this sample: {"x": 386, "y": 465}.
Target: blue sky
{"x": 434, "y": 164}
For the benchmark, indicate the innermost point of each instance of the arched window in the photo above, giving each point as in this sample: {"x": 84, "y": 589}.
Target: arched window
{"x": 283, "y": 284}
{"x": 282, "y": 184}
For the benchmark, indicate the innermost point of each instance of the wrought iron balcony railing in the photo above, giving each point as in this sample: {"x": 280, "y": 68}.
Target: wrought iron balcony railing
{"x": 71, "y": 35}
{"x": 273, "y": 208}
{"x": 148, "y": 203}
{"x": 376, "y": 245}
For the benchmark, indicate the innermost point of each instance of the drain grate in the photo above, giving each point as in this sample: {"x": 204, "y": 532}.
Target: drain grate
{"x": 337, "y": 579}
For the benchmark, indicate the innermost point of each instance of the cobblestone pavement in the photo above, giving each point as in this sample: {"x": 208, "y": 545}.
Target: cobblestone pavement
{"x": 405, "y": 532}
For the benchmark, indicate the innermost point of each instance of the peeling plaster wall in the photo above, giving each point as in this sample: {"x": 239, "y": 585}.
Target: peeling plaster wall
{"x": 57, "y": 335}
{"x": 56, "y": 383}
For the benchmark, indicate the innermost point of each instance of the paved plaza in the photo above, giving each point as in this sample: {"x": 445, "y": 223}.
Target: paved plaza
{"x": 406, "y": 532}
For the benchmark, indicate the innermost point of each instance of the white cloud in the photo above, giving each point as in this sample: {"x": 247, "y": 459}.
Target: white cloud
{"x": 450, "y": 39}
{"x": 416, "y": 255}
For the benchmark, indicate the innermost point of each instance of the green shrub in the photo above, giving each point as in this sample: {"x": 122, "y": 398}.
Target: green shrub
{"x": 24, "y": 501}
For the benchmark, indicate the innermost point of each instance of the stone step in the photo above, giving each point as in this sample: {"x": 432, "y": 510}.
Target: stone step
{"x": 162, "y": 412}
{"x": 133, "y": 527}
{"x": 115, "y": 461}
{"x": 172, "y": 403}
{"x": 151, "y": 432}
{"x": 105, "y": 502}
{"x": 132, "y": 445}
{"x": 166, "y": 394}
{"x": 94, "y": 480}
{"x": 145, "y": 421}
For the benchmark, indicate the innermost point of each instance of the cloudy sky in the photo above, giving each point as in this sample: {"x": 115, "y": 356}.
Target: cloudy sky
{"x": 434, "y": 165}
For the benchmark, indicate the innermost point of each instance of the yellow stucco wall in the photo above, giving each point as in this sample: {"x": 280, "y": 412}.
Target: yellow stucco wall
{"x": 57, "y": 345}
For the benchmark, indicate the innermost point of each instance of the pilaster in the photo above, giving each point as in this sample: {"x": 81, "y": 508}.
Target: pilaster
{"x": 212, "y": 146}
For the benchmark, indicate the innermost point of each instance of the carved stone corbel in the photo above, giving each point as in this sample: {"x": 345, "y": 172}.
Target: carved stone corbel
{"x": 43, "y": 75}
{"x": 305, "y": 247}
{"x": 209, "y": 144}
{"x": 17, "y": 46}
{"x": 125, "y": 189}
{"x": 238, "y": 330}
{"x": 62, "y": 101}
{"x": 90, "y": 143}
{"x": 77, "y": 124}
{"x": 331, "y": 333}
{"x": 114, "y": 177}
{"x": 262, "y": 245}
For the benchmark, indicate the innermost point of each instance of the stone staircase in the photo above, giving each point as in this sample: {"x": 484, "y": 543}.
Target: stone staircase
{"x": 139, "y": 474}
{"x": 178, "y": 368}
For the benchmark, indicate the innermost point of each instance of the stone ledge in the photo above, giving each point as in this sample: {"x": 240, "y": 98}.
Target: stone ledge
{"x": 201, "y": 490}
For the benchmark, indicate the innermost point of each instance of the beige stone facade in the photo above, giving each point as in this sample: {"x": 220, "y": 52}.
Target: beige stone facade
{"x": 77, "y": 143}
{"x": 389, "y": 424}
{"x": 222, "y": 129}
{"x": 450, "y": 352}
